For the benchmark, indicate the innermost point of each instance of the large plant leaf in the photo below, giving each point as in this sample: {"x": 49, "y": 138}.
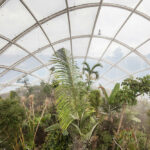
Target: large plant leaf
{"x": 89, "y": 134}
{"x": 114, "y": 92}
{"x": 68, "y": 75}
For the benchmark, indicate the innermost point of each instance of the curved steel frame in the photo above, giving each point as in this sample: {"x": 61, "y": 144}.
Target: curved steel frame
{"x": 67, "y": 10}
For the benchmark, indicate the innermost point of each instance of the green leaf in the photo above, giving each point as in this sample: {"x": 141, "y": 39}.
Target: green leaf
{"x": 53, "y": 127}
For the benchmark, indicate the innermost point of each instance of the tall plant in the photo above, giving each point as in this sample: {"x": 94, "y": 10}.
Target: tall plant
{"x": 73, "y": 108}
{"x": 90, "y": 71}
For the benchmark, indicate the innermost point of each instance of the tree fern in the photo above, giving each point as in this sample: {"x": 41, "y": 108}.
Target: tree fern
{"x": 67, "y": 73}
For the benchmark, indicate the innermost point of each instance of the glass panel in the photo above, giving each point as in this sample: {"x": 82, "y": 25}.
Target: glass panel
{"x": 32, "y": 80}
{"x": 42, "y": 9}
{"x": 80, "y": 46}
{"x": 8, "y": 89}
{"x": 9, "y": 76}
{"x": 136, "y": 30}
{"x": 133, "y": 63}
{"x": 57, "y": 28}
{"x": 82, "y": 21}
{"x": 143, "y": 73}
{"x": 97, "y": 47}
{"x": 108, "y": 25}
{"x": 1, "y": 70}
{"x": 144, "y": 7}
{"x": 42, "y": 73}
{"x": 79, "y": 62}
{"x": 45, "y": 55}
{"x": 14, "y": 19}
{"x": 115, "y": 73}
{"x": 115, "y": 52}
{"x": 130, "y": 3}
{"x": 2, "y": 43}
{"x": 102, "y": 82}
{"x": 105, "y": 67}
{"x": 29, "y": 64}
{"x": 72, "y": 3}
{"x": 145, "y": 50}
{"x": 11, "y": 55}
{"x": 65, "y": 45}
{"x": 33, "y": 40}
{"x": 109, "y": 87}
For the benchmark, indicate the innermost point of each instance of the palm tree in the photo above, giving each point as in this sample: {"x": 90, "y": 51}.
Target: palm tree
{"x": 90, "y": 72}
{"x": 74, "y": 110}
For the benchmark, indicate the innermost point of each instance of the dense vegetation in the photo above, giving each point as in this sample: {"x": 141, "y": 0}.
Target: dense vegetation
{"x": 68, "y": 114}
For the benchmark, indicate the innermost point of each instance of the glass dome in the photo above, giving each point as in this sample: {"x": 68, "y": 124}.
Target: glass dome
{"x": 113, "y": 32}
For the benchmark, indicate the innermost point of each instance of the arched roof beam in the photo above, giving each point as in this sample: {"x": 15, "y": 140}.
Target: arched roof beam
{"x": 142, "y": 70}
{"x": 135, "y": 51}
{"x": 74, "y": 37}
{"x": 121, "y": 27}
{"x": 38, "y": 23}
{"x": 42, "y": 21}
{"x": 69, "y": 26}
{"x": 19, "y": 46}
{"x": 94, "y": 25}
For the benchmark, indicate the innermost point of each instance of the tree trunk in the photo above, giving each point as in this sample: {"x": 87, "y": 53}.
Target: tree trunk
{"x": 121, "y": 119}
{"x": 120, "y": 123}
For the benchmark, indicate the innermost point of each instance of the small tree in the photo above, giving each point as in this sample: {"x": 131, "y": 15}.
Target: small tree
{"x": 90, "y": 72}
{"x": 131, "y": 89}
{"x": 13, "y": 95}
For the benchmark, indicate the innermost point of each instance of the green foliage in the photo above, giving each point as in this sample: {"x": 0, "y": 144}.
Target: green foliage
{"x": 13, "y": 95}
{"x": 74, "y": 110}
{"x": 90, "y": 72}
{"x": 105, "y": 140}
{"x": 66, "y": 73}
{"x": 110, "y": 102}
{"x": 95, "y": 99}
{"x": 55, "y": 140}
{"x": 132, "y": 88}
{"x": 46, "y": 87}
{"x": 132, "y": 140}
{"x": 12, "y": 115}
{"x": 55, "y": 84}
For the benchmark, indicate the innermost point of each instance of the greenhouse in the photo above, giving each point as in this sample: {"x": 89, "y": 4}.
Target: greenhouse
{"x": 74, "y": 74}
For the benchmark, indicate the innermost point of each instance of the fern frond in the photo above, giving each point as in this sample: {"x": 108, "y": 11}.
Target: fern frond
{"x": 67, "y": 74}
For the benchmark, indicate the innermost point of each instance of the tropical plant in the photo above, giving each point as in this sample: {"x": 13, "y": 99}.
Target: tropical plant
{"x": 110, "y": 103}
{"x": 131, "y": 89}
{"x": 90, "y": 72}
{"x": 12, "y": 116}
{"x": 47, "y": 89}
{"x": 56, "y": 140}
{"x": 95, "y": 100}
{"x": 132, "y": 140}
{"x": 74, "y": 110}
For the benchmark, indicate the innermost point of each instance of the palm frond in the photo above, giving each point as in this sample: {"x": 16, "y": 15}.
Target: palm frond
{"x": 65, "y": 70}
{"x": 114, "y": 92}
{"x": 67, "y": 74}
{"x": 96, "y": 74}
{"x": 86, "y": 67}
{"x": 96, "y": 65}
{"x": 104, "y": 91}
{"x": 53, "y": 127}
